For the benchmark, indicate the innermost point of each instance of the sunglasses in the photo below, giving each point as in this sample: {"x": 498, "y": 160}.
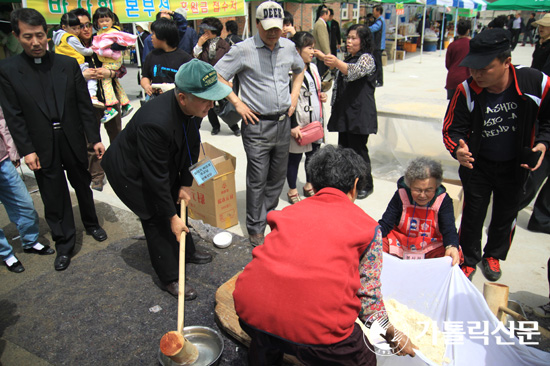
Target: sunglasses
{"x": 86, "y": 25}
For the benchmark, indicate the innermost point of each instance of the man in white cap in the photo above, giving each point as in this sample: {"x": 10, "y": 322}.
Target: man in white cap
{"x": 262, "y": 64}
{"x": 148, "y": 166}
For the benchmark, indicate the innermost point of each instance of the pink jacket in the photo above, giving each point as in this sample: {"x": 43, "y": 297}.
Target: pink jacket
{"x": 102, "y": 43}
{"x": 7, "y": 146}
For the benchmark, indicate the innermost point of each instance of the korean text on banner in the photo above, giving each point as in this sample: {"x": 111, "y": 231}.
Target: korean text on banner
{"x": 138, "y": 10}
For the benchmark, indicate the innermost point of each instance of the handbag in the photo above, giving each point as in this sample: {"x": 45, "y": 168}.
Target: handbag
{"x": 120, "y": 72}
{"x": 227, "y": 112}
{"x": 311, "y": 133}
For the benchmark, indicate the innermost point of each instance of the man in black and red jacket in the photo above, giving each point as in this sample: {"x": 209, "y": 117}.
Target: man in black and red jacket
{"x": 489, "y": 128}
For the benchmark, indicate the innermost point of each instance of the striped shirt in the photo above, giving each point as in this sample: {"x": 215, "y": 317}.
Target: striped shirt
{"x": 263, "y": 74}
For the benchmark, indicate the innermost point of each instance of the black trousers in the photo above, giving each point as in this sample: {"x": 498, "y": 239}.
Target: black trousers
{"x": 266, "y": 349}
{"x": 164, "y": 247}
{"x": 377, "y": 54}
{"x": 359, "y": 144}
{"x": 515, "y": 37}
{"x": 215, "y": 121}
{"x": 294, "y": 164}
{"x": 498, "y": 179}
{"x": 540, "y": 218}
{"x": 58, "y": 208}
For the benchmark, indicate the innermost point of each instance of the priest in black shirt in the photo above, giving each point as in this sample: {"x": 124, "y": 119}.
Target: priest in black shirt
{"x": 50, "y": 116}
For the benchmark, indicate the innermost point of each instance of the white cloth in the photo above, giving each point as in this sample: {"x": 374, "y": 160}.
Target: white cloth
{"x": 443, "y": 293}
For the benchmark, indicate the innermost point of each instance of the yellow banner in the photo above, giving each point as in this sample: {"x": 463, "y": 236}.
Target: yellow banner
{"x": 138, "y": 10}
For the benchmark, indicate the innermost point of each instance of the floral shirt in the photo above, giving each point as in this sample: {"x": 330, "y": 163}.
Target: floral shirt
{"x": 370, "y": 270}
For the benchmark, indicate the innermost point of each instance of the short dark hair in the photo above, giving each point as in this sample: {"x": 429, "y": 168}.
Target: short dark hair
{"x": 498, "y": 22}
{"x": 365, "y": 36}
{"x": 28, "y": 16}
{"x": 166, "y": 30}
{"x": 379, "y": 9}
{"x": 503, "y": 56}
{"x": 80, "y": 12}
{"x": 69, "y": 19}
{"x": 289, "y": 18}
{"x": 331, "y": 11}
{"x": 104, "y": 12}
{"x": 323, "y": 12}
{"x": 232, "y": 27}
{"x": 337, "y": 167}
{"x": 303, "y": 39}
{"x": 215, "y": 23}
{"x": 463, "y": 26}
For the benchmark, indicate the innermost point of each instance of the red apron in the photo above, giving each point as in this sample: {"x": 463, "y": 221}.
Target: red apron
{"x": 417, "y": 232}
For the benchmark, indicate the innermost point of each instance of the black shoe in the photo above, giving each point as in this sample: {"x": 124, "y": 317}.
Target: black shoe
{"x": 199, "y": 257}
{"x": 44, "y": 251}
{"x": 215, "y": 131}
{"x": 17, "y": 267}
{"x": 62, "y": 262}
{"x": 173, "y": 289}
{"x": 237, "y": 132}
{"x": 362, "y": 194}
{"x": 97, "y": 233}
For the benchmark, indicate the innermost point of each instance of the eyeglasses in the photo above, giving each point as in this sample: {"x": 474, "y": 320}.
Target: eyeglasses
{"x": 425, "y": 191}
{"x": 86, "y": 25}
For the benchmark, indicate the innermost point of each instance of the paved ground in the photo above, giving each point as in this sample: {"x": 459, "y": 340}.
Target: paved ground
{"x": 97, "y": 312}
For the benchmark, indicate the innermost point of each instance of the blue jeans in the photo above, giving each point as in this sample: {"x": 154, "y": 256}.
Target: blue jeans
{"x": 19, "y": 206}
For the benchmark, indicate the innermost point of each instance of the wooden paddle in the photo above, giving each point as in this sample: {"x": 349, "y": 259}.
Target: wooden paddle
{"x": 173, "y": 344}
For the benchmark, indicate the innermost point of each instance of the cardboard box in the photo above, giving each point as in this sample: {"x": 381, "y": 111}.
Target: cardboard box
{"x": 215, "y": 201}
{"x": 455, "y": 191}
{"x": 400, "y": 55}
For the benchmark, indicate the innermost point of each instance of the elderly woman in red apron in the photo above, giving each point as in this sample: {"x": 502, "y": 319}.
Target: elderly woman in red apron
{"x": 419, "y": 221}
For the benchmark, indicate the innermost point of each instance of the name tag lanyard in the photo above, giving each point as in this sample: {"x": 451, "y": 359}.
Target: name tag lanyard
{"x": 203, "y": 170}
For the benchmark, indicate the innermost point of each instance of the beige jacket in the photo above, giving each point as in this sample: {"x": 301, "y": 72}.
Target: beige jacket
{"x": 320, "y": 33}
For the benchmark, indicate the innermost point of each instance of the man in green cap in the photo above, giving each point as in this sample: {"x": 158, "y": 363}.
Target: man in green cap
{"x": 148, "y": 166}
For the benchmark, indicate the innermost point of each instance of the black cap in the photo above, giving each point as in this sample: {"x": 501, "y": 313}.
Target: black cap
{"x": 486, "y": 46}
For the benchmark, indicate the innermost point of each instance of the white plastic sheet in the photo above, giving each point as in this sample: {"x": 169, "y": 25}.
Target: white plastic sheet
{"x": 444, "y": 294}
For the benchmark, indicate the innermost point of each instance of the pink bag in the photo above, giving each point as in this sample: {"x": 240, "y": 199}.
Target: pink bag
{"x": 311, "y": 133}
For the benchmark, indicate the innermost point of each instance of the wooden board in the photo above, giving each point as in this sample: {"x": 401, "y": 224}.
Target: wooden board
{"x": 228, "y": 319}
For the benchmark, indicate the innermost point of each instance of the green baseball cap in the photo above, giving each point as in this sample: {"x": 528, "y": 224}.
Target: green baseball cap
{"x": 201, "y": 79}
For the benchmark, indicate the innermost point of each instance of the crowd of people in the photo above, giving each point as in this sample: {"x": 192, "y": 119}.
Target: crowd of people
{"x": 496, "y": 126}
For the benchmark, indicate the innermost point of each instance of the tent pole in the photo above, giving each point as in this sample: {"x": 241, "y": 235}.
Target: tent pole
{"x": 396, "y": 31}
{"x": 358, "y": 10}
{"x": 246, "y": 20}
{"x": 423, "y": 20}
{"x": 442, "y": 33}
{"x": 456, "y": 20}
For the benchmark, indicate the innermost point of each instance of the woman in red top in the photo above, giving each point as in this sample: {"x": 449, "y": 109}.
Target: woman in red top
{"x": 300, "y": 293}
